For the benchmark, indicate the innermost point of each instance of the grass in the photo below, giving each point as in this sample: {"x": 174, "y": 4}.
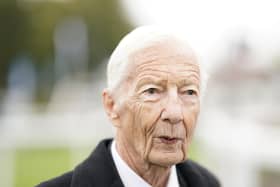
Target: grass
{"x": 33, "y": 166}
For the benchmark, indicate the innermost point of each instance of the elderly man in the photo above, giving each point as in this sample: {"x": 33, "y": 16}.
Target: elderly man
{"x": 155, "y": 83}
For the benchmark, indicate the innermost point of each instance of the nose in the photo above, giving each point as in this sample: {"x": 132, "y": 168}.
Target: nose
{"x": 172, "y": 111}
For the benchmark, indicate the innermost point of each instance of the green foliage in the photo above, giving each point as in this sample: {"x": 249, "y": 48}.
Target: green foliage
{"x": 27, "y": 27}
{"x": 12, "y": 34}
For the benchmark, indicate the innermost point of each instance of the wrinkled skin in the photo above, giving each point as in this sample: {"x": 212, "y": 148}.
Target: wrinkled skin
{"x": 155, "y": 109}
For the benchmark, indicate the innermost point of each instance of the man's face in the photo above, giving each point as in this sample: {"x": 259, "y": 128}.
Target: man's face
{"x": 159, "y": 103}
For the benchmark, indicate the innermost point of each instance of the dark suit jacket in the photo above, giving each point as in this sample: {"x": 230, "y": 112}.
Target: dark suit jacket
{"x": 99, "y": 170}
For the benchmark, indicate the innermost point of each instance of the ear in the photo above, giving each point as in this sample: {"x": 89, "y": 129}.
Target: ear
{"x": 110, "y": 107}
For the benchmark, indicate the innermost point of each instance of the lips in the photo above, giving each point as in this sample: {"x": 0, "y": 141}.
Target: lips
{"x": 169, "y": 140}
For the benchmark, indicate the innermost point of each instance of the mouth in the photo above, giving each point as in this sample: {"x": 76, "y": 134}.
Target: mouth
{"x": 169, "y": 140}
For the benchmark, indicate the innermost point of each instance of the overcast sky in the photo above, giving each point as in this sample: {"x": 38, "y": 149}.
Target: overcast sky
{"x": 209, "y": 25}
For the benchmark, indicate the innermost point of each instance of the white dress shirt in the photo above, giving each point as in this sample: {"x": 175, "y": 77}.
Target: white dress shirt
{"x": 131, "y": 179}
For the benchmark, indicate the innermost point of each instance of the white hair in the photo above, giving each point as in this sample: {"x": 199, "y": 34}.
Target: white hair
{"x": 138, "y": 39}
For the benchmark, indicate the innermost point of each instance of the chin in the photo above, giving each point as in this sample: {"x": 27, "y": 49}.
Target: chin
{"x": 166, "y": 159}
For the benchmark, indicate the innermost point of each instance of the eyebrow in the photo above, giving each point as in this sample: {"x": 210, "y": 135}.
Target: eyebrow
{"x": 146, "y": 80}
{"x": 187, "y": 81}
{"x": 191, "y": 80}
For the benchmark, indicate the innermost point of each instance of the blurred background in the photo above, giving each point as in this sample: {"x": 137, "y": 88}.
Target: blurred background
{"x": 53, "y": 55}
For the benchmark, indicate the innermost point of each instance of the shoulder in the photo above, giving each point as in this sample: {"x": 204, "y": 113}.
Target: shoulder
{"x": 197, "y": 174}
{"x": 61, "y": 181}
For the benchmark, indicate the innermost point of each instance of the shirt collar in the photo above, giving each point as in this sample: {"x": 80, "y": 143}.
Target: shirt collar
{"x": 130, "y": 178}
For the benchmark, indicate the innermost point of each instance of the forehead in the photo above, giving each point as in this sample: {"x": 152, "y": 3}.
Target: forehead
{"x": 164, "y": 59}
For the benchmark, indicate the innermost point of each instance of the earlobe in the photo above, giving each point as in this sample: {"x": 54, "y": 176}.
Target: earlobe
{"x": 110, "y": 107}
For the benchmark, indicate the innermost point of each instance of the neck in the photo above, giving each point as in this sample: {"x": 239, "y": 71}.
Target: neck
{"x": 155, "y": 175}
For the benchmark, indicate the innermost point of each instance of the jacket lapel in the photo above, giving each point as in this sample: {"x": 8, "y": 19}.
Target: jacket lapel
{"x": 98, "y": 170}
{"x": 117, "y": 183}
{"x": 189, "y": 175}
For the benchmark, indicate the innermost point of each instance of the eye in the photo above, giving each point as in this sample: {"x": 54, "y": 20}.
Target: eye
{"x": 190, "y": 92}
{"x": 151, "y": 91}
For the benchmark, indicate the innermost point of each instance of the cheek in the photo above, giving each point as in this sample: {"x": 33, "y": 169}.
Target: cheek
{"x": 190, "y": 118}
{"x": 150, "y": 114}
{"x": 145, "y": 114}
{"x": 144, "y": 120}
